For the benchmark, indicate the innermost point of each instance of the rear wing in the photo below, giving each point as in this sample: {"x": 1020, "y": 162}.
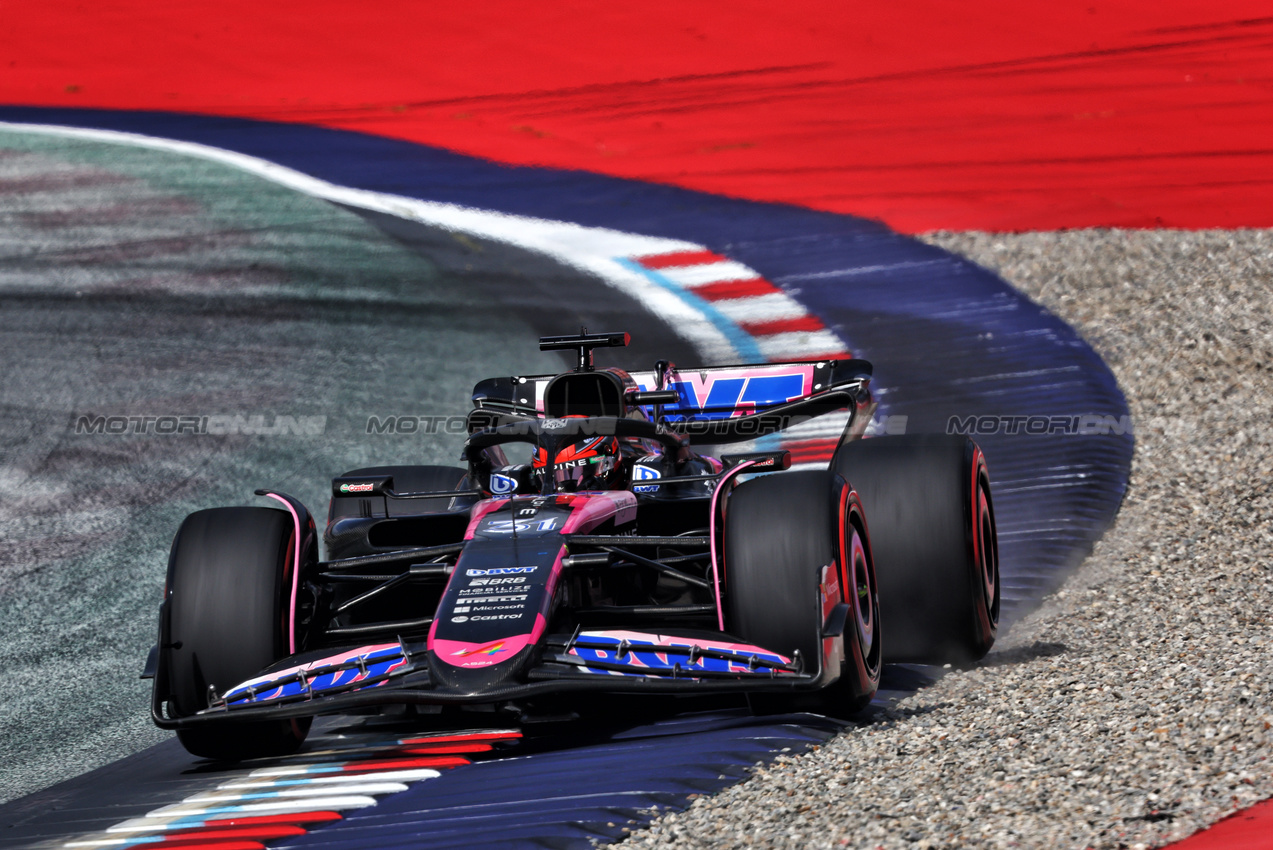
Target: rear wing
{"x": 718, "y": 403}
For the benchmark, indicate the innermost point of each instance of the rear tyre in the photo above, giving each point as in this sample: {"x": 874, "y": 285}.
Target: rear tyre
{"x": 780, "y": 532}
{"x": 228, "y": 596}
{"x": 932, "y": 527}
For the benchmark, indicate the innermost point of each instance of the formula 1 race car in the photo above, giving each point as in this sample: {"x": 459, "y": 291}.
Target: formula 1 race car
{"x": 613, "y": 558}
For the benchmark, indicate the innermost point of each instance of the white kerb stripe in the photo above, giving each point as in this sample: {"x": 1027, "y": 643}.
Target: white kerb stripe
{"x": 309, "y": 804}
{"x": 799, "y": 343}
{"x": 227, "y": 796}
{"x": 335, "y": 779}
{"x": 691, "y": 276}
{"x": 761, "y": 308}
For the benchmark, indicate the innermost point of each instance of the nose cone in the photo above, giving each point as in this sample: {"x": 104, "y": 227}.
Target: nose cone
{"x": 495, "y": 607}
{"x": 478, "y": 667}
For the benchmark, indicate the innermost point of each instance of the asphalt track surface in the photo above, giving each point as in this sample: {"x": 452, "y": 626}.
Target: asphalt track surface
{"x": 137, "y": 287}
{"x": 149, "y": 284}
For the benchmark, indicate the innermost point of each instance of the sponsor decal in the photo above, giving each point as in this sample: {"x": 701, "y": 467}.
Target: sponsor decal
{"x": 494, "y": 581}
{"x": 489, "y": 649}
{"x": 500, "y": 591}
{"x": 459, "y": 619}
{"x": 727, "y": 393}
{"x": 502, "y": 484}
{"x": 477, "y": 617}
{"x": 357, "y": 488}
{"x": 527, "y": 512}
{"x": 553, "y": 424}
{"x": 641, "y": 472}
{"x": 476, "y": 599}
{"x": 657, "y": 654}
{"x": 501, "y": 571}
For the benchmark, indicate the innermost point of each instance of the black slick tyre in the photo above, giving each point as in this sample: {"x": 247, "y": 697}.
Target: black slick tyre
{"x": 781, "y": 532}
{"x": 931, "y": 522}
{"x": 229, "y": 585}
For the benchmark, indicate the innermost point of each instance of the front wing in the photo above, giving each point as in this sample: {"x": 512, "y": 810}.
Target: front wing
{"x": 598, "y": 661}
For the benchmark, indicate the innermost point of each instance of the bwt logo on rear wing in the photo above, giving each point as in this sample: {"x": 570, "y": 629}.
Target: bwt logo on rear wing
{"x": 719, "y": 392}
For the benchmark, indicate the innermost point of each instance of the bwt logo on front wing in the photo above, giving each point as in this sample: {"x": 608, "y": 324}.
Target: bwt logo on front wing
{"x": 501, "y": 571}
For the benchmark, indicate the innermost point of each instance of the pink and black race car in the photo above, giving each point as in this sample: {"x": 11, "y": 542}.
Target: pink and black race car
{"x": 612, "y": 557}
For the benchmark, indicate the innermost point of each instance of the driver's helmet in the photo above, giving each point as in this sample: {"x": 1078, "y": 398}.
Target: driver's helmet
{"x": 591, "y": 464}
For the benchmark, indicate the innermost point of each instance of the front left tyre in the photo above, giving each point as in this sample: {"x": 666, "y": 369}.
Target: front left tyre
{"x": 782, "y": 533}
{"x": 226, "y": 619}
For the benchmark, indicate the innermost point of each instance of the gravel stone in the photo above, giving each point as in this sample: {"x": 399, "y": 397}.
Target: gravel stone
{"x": 1135, "y": 705}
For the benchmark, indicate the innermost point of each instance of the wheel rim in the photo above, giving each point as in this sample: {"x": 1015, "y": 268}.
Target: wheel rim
{"x": 987, "y": 551}
{"x": 863, "y": 591}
